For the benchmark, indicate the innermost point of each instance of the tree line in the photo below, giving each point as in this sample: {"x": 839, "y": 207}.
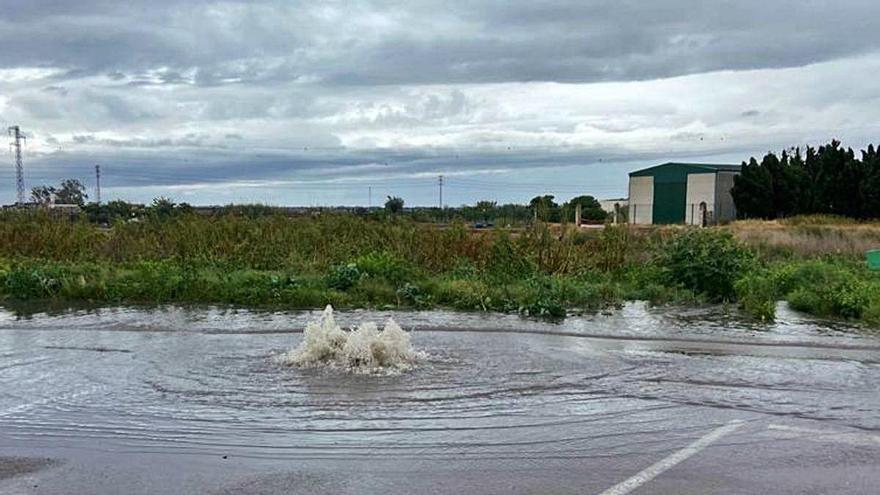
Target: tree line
{"x": 543, "y": 208}
{"x": 829, "y": 179}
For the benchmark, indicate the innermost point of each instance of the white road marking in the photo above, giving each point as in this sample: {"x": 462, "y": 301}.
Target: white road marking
{"x": 856, "y": 438}
{"x": 659, "y": 467}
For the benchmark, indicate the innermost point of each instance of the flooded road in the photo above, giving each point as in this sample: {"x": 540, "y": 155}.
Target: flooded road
{"x": 177, "y": 400}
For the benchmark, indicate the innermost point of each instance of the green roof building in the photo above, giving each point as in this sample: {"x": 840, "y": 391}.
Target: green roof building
{"x": 682, "y": 193}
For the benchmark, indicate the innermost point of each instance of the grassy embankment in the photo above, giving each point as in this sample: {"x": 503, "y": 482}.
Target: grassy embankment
{"x": 346, "y": 261}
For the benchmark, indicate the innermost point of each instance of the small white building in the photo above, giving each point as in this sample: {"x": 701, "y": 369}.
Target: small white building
{"x": 610, "y": 205}
{"x": 616, "y": 208}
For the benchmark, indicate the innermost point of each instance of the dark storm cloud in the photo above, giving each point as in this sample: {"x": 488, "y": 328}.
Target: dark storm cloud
{"x": 315, "y": 169}
{"x": 473, "y": 41}
{"x": 180, "y": 93}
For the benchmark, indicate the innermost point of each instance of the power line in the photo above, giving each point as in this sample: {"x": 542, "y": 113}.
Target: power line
{"x": 18, "y": 137}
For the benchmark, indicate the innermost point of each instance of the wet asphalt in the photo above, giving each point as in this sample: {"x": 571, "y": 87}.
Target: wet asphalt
{"x": 138, "y": 404}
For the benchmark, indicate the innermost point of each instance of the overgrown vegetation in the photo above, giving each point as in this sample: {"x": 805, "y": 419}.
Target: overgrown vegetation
{"x": 254, "y": 257}
{"x": 706, "y": 261}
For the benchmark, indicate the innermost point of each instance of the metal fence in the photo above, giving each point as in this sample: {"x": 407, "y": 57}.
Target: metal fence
{"x": 702, "y": 213}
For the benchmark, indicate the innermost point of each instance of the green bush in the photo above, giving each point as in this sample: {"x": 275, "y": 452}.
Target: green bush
{"x": 374, "y": 292}
{"x": 343, "y": 277}
{"x": 463, "y": 268}
{"x": 31, "y": 281}
{"x": 757, "y": 294}
{"x": 147, "y": 281}
{"x": 706, "y": 261}
{"x": 463, "y": 294}
{"x": 828, "y": 289}
{"x": 252, "y": 287}
{"x": 871, "y": 314}
{"x": 543, "y": 305}
{"x": 506, "y": 262}
{"x": 414, "y": 295}
{"x": 385, "y": 266}
{"x": 539, "y": 296}
{"x": 611, "y": 247}
{"x": 583, "y": 293}
{"x": 851, "y": 299}
{"x": 312, "y": 297}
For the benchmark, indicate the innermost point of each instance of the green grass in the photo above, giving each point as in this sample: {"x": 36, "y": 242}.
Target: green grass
{"x": 354, "y": 262}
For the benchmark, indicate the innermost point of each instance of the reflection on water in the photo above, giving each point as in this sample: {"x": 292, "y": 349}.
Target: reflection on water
{"x": 205, "y": 380}
{"x": 633, "y": 319}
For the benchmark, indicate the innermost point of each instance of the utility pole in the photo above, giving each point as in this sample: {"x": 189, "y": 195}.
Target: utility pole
{"x": 98, "y": 184}
{"x": 440, "y": 184}
{"x": 369, "y": 198}
{"x": 17, "y": 138}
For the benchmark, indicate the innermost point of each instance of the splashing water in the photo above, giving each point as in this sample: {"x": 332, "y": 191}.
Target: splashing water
{"x": 364, "y": 349}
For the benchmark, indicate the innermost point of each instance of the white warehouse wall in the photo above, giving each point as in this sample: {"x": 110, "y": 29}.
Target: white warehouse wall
{"x": 641, "y": 200}
{"x": 700, "y": 189}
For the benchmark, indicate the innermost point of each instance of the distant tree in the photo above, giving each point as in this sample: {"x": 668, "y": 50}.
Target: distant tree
{"x": 827, "y": 180}
{"x": 162, "y": 207}
{"x": 123, "y": 210}
{"x": 42, "y": 194}
{"x": 249, "y": 210}
{"x": 871, "y": 160}
{"x": 394, "y": 205}
{"x": 753, "y": 191}
{"x": 107, "y": 213}
{"x": 184, "y": 209}
{"x": 71, "y": 192}
{"x": 591, "y": 209}
{"x": 545, "y": 208}
{"x": 486, "y": 205}
{"x": 487, "y": 209}
{"x": 834, "y": 177}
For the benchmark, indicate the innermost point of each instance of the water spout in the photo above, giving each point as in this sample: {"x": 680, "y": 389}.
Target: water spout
{"x": 364, "y": 349}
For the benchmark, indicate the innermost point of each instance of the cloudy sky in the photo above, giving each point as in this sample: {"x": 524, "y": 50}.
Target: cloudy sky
{"x": 324, "y": 102}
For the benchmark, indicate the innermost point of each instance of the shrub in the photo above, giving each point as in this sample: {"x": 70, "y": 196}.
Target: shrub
{"x": 827, "y": 289}
{"x": 343, "y": 277}
{"x": 505, "y": 262}
{"x": 374, "y": 292}
{"x": 707, "y": 261}
{"x": 541, "y": 296}
{"x": 30, "y": 281}
{"x": 783, "y": 278}
{"x": 611, "y": 247}
{"x": 756, "y": 293}
{"x": 251, "y": 287}
{"x": 543, "y": 305}
{"x": 385, "y": 266}
{"x": 414, "y": 295}
{"x": 850, "y": 299}
{"x": 463, "y": 294}
{"x": 152, "y": 281}
{"x": 312, "y": 297}
{"x": 871, "y": 314}
{"x": 463, "y": 268}
{"x": 581, "y": 293}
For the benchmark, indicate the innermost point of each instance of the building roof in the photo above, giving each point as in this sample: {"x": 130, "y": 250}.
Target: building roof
{"x": 688, "y": 168}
